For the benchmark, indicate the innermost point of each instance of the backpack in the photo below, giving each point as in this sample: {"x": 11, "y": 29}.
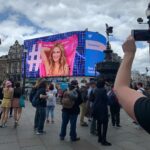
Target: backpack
{"x": 32, "y": 94}
{"x": 36, "y": 98}
{"x": 69, "y": 99}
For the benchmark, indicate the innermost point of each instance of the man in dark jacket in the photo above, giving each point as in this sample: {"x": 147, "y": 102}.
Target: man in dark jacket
{"x": 71, "y": 114}
{"x": 40, "y": 114}
{"x": 100, "y": 112}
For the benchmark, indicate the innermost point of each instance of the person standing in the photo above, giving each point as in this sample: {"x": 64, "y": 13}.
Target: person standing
{"x": 6, "y": 102}
{"x": 15, "y": 104}
{"x": 114, "y": 108}
{"x": 11, "y": 108}
{"x": 40, "y": 115}
{"x": 100, "y": 112}
{"x": 51, "y": 103}
{"x": 91, "y": 98}
{"x": 71, "y": 114}
{"x": 84, "y": 93}
{"x": 1, "y": 97}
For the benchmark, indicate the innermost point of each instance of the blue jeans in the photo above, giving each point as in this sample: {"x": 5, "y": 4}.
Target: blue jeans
{"x": 66, "y": 117}
{"x": 39, "y": 119}
{"x": 50, "y": 109}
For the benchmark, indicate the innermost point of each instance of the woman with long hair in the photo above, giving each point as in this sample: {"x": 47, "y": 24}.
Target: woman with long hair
{"x": 15, "y": 103}
{"x": 55, "y": 61}
{"x": 6, "y": 102}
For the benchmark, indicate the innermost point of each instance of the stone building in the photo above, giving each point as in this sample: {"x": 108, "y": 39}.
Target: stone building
{"x": 137, "y": 77}
{"x": 3, "y": 67}
{"x": 14, "y": 61}
{"x": 11, "y": 63}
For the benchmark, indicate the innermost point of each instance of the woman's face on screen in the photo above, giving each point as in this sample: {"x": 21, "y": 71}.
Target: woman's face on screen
{"x": 56, "y": 54}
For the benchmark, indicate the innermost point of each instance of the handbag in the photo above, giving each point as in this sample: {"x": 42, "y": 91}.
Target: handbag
{"x": 22, "y": 101}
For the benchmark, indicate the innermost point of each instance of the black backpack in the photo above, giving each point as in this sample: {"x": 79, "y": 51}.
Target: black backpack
{"x": 32, "y": 94}
{"x": 36, "y": 98}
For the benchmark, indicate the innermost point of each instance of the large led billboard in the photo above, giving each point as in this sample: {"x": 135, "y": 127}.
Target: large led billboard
{"x": 65, "y": 54}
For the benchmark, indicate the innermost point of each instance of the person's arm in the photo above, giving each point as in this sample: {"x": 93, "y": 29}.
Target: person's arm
{"x": 66, "y": 70}
{"x": 43, "y": 96}
{"x": 45, "y": 60}
{"x": 127, "y": 96}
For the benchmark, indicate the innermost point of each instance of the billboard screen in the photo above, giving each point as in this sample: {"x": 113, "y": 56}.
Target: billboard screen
{"x": 95, "y": 45}
{"x": 66, "y": 54}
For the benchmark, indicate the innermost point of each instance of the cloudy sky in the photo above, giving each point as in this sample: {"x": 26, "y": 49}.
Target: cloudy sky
{"x": 24, "y": 19}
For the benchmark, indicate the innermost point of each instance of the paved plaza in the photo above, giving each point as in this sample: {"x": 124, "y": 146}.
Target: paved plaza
{"x": 128, "y": 137}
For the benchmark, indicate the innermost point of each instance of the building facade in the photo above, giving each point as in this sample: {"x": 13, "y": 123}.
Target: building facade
{"x": 11, "y": 64}
{"x": 14, "y": 61}
{"x": 137, "y": 77}
{"x": 3, "y": 67}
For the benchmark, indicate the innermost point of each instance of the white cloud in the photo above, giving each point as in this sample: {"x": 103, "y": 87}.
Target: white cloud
{"x": 60, "y": 16}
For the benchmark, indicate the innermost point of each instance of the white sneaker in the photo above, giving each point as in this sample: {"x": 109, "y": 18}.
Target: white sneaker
{"x": 40, "y": 133}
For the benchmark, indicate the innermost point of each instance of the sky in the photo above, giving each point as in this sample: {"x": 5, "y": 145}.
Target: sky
{"x": 26, "y": 19}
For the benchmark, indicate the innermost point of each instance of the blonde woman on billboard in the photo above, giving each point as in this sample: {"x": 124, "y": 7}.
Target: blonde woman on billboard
{"x": 55, "y": 61}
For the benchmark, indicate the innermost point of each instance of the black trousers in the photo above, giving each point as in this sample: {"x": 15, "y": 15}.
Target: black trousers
{"x": 39, "y": 119}
{"x": 115, "y": 114}
{"x": 102, "y": 127}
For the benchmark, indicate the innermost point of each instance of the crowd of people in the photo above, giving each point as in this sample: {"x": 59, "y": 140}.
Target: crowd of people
{"x": 93, "y": 101}
{"x": 9, "y": 95}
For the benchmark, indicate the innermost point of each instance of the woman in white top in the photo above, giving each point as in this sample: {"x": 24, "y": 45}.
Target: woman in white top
{"x": 51, "y": 103}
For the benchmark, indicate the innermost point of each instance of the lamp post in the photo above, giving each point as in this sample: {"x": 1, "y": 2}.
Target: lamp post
{"x": 24, "y": 69}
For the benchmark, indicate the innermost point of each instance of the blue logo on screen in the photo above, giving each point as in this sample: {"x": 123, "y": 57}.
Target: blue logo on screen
{"x": 95, "y": 45}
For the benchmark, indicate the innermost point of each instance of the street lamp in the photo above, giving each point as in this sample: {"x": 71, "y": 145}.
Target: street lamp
{"x": 24, "y": 69}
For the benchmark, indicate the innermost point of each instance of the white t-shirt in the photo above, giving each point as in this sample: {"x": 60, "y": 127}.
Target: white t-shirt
{"x": 51, "y": 100}
{"x": 141, "y": 90}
